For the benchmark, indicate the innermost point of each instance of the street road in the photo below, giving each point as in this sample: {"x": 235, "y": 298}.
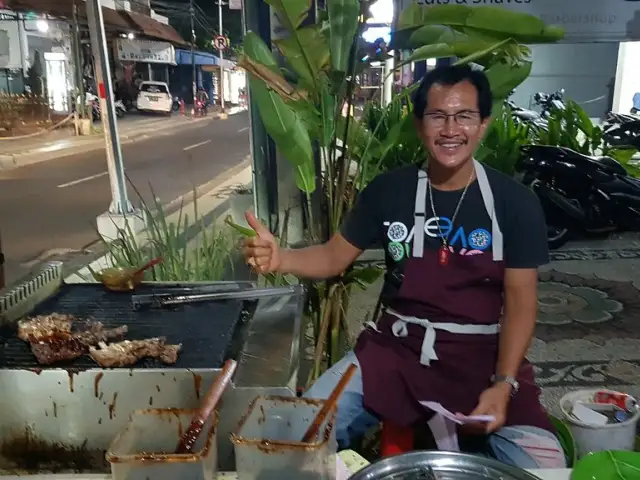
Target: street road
{"x": 54, "y": 204}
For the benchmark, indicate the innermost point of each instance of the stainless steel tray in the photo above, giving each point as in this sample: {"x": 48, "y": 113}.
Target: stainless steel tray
{"x": 445, "y": 466}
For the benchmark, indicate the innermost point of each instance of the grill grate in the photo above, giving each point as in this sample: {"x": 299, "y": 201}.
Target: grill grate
{"x": 207, "y": 331}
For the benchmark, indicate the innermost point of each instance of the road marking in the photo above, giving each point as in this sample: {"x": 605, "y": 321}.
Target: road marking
{"x": 243, "y": 129}
{"x": 81, "y": 180}
{"x": 191, "y": 147}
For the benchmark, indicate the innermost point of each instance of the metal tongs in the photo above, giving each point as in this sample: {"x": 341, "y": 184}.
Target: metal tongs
{"x": 159, "y": 300}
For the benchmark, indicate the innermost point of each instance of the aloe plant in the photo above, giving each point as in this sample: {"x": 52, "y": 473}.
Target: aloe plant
{"x": 301, "y": 104}
{"x": 208, "y": 257}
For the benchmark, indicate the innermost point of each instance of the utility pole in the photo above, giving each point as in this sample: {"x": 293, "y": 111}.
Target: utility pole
{"x": 192, "y": 14}
{"x": 221, "y": 52}
{"x": 76, "y": 48}
{"x": 120, "y": 203}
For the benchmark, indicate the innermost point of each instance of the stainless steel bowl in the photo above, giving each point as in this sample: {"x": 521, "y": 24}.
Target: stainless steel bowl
{"x": 428, "y": 465}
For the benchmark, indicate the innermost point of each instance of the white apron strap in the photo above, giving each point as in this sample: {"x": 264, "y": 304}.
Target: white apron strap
{"x": 487, "y": 198}
{"x": 419, "y": 215}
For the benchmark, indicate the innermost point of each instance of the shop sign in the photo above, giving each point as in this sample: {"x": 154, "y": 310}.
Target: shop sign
{"x": 146, "y": 51}
{"x": 582, "y": 20}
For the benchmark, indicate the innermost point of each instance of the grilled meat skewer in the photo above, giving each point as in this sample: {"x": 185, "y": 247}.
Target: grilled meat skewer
{"x": 129, "y": 352}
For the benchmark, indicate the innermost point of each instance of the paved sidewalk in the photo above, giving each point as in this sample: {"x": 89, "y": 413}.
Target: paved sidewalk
{"x": 61, "y": 143}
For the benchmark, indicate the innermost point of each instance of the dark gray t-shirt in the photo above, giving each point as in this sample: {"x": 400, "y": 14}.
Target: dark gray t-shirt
{"x": 383, "y": 216}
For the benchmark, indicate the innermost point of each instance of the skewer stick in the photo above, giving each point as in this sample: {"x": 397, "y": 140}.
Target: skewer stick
{"x": 328, "y": 406}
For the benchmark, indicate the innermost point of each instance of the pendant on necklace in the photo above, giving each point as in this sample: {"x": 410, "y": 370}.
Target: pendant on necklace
{"x": 443, "y": 254}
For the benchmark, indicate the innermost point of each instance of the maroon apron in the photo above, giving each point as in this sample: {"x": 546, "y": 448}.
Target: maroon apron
{"x": 408, "y": 358}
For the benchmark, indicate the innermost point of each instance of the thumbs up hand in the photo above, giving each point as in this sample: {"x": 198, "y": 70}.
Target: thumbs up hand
{"x": 262, "y": 252}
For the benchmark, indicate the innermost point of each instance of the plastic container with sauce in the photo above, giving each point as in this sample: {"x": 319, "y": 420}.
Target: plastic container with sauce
{"x": 144, "y": 448}
{"x": 267, "y": 443}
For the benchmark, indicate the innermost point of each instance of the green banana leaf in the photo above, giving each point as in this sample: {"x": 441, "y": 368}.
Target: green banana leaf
{"x": 504, "y": 78}
{"x": 608, "y": 465}
{"x": 254, "y": 47}
{"x": 360, "y": 141}
{"x": 305, "y": 177}
{"x": 497, "y": 23}
{"x": 259, "y": 62}
{"x": 285, "y": 125}
{"x": 432, "y": 34}
{"x": 343, "y": 27}
{"x": 483, "y": 53}
{"x": 306, "y": 52}
{"x": 291, "y": 12}
{"x": 443, "y": 50}
{"x": 328, "y": 114}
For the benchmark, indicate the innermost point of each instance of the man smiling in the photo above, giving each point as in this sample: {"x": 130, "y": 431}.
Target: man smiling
{"x": 463, "y": 243}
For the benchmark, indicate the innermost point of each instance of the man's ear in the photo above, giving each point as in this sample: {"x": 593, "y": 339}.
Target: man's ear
{"x": 484, "y": 125}
{"x": 417, "y": 122}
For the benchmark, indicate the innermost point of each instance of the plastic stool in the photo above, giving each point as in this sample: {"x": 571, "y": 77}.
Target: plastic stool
{"x": 395, "y": 440}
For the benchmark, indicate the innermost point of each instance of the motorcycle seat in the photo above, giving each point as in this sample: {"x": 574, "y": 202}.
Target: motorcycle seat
{"x": 607, "y": 163}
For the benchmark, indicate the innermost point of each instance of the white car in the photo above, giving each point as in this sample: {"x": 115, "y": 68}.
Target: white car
{"x": 154, "y": 97}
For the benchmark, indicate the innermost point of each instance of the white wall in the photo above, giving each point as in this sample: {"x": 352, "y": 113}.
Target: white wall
{"x": 585, "y": 71}
{"x": 10, "y": 32}
{"x": 627, "y": 76}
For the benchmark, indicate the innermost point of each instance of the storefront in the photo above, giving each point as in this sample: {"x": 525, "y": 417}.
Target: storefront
{"x": 207, "y": 76}
{"x": 144, "y": 59}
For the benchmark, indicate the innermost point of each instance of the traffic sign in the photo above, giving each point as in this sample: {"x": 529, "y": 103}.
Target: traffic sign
{"x": 220, "y": 42}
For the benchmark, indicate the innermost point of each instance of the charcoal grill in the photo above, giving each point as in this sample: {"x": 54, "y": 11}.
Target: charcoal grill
{"x": 81, "y": 406}
{"x": 208, "y": 332}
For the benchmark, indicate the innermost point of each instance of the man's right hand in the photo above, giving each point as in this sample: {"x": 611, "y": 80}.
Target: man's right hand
{"x": 262, "y": 252}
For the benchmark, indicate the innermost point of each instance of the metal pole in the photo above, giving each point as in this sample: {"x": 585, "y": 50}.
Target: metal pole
{"x": 192, "y": 14}
{"x": 221, "y": 57}
{"x": 77, "y": 62}
{"x": 120, "y": 202}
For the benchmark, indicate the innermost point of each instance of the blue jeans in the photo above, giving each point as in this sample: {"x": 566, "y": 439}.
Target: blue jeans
{"x": 353, "y": 420}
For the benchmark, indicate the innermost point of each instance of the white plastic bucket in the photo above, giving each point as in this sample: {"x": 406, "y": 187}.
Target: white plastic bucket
{"x": 595, "y": 438}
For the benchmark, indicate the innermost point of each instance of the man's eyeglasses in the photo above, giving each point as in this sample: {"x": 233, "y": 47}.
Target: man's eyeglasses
{"x": 466, "y": 118}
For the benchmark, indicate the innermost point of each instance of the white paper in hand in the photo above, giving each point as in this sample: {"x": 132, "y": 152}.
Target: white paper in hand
{"x": 444, "y": 433}
{"x": 459, "y": 419}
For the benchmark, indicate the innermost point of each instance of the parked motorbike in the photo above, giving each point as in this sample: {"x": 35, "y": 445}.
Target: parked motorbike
{"x": 549, "y": 102}
{"x": 200, "y": 109}
{"x": 93, "y": 102}
{"x": 175, "y": 106}
{"x": 121, "y": 110}
{"x": 622, "y": 130}
{"x": 523, "y": 115}
{"x": 580, "y": 193}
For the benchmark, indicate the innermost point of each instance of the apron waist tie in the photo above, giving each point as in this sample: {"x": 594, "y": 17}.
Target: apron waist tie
{"x": 428, "y": 352}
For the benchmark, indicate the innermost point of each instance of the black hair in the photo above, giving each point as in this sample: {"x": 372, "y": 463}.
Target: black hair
{"x": 452, "y": 75}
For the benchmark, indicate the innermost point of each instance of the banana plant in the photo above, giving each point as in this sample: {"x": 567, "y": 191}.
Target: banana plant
{"x": 495, "y": 38}
{"x": 301, "y": 101}
{"x": 500, "y": 149}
